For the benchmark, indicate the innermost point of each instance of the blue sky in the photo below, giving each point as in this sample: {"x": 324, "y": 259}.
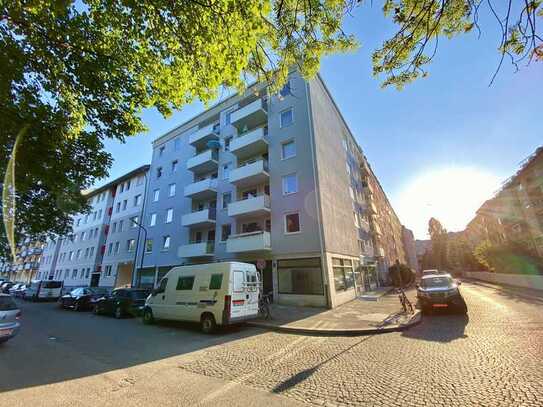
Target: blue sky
{"x": 444, "y": 139}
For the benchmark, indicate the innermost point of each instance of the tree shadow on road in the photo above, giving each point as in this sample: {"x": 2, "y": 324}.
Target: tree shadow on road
{"x": 443, "y": 326}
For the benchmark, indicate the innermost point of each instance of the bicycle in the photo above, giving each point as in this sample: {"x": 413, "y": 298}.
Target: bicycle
{"x": 264, "y": 303}
{"x": 406, "y": 304}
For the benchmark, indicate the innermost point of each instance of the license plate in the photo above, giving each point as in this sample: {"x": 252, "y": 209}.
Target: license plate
{"x": 5, "y": 332}
{"x": 440, "y": 305}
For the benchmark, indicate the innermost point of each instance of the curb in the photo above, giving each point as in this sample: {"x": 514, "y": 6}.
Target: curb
{"x": 414, "y": 320}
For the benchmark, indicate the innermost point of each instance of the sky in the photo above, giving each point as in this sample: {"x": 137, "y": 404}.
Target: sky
{"x": 441, "y": 146}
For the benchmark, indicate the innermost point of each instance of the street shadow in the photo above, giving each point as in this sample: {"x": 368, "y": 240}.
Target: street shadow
{"x": 56, "y": 345}
{"x": 440, "y": 326}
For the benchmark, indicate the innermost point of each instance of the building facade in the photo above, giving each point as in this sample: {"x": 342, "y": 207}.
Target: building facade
{"x": 27, "y": 260}
{"x": 277, "y": 180}
{"x": 410, "y": 248}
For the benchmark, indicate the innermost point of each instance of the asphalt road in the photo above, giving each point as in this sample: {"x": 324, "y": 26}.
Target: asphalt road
{"x": 493, "y": 357}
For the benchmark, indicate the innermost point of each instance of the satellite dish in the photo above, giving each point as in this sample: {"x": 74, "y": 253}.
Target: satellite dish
{"x": 213, "y": 144}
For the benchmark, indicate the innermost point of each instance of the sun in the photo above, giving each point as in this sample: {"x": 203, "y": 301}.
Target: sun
{"x": 452, "y": 195}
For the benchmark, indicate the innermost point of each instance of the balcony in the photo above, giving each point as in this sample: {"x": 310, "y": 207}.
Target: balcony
{"x": 201, "y": 136}
{"x": 197, "y": 249}
{"x": 250, "y": 116}
{"x": 256, "y": 206}
{"x": 203, "y": 162}
{"x": 205, "y": 217}
{"x": 258, "y": 241}
{"x": 250, "y": 174}
{"x": 206, "y": 188}
{"x": 250, "y": 144}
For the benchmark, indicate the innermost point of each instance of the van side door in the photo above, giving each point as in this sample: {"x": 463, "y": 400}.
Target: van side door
{"x": 238, "y": 294}
{"x": 252, "y": 293}
{"x": 185, "y": 299}
{"x": 158, "y": 300}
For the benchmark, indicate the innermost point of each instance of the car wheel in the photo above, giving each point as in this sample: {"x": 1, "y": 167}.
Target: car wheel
{"x": 148, "y": 318}
{"x": 118, "y": 313}
{"x": 96, "y": 310}
{"x": 77, "y": 306}
{"x": 208, "y": 324}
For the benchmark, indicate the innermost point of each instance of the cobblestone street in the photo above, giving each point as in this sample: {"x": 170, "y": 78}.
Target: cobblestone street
{"x": 491, "y": 358}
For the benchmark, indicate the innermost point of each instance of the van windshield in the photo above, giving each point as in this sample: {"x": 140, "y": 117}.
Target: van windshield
{"x": 52, "y": 284}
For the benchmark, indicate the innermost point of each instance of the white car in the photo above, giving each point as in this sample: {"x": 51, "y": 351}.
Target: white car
{"x": 10, "y": 316}
{"x": 43, "y": 290}
{"x": 212, "y": 294}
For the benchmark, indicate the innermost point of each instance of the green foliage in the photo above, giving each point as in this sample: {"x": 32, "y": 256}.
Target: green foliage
{"x": 401, "y": 275}
{"x": 77, "y": 73}
{"x": 510, "y": 257}
{"x": 438, "y": 254}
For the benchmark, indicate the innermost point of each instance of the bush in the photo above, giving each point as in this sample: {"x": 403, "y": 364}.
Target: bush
{"x": 401, "y": 275}
{"x": 510, "y": 258}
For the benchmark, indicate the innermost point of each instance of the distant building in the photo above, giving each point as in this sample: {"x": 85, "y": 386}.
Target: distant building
{"x": 410, "y": 248}
{"x": 27, "y": 260}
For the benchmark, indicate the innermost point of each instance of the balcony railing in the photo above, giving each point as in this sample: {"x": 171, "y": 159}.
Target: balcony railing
{"x": 206, "y": 188}
{"x": 257, "y": 241}
{"x": 251, "y": 143}
{"x": 197, "y": 249}
{"x": 250, "y": 174}
{"x": 254, "y": 206}
{"x": 250, "y": 116}
{"x": 205, "y": 161}
{"x": 201, "y": 136}
{"x": 200, "y": 218}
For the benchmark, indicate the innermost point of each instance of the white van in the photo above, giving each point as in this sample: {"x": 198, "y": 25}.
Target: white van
{"x": 43, "y": 290}
{"x": 212, "y": 294}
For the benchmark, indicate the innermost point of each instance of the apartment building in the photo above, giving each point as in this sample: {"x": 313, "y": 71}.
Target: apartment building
{"x": 27, "y": 260}
{"x": 410, "y": 248}
{"x": 101, "y": 248}
{"x": 515, "y": 213}
{"x": 277, "y": 180}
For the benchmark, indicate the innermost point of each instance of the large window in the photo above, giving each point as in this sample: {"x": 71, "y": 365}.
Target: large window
{"x": 156, "y": 194}
{"x": 226, "y": 199}
{"x": 148, "y": 245}
{"x": 292, "y": 222}
{"x": 300, "y": 276}
{"x": 165, "y": 242}
{"x": 172, "y": 190}
{"x": 130, "y": 245}
{"x": 152, "y": 222}
{"x": 343, "y": 274}
{"x": 288, "y": 149}
{"x": 286, "y": 118}
{"x": 169, "y": 215}
{"x": 226, "y": 230}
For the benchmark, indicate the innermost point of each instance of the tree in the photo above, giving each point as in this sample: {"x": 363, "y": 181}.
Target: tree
{"x": 439, "y": 237}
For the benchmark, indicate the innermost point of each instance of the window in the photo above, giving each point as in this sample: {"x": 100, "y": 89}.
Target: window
{"x": 165, "y": 242}
{"x": 152, "y": 222}
{"x": 139, "y": 180}
{"x": 290, "y": 184}
{"x": 118, "y": 207}
{"x": 148, "y": 245}
{"x": 82, "y": 273}
{"x": 122, "y": 187}
{"x": 137, "y": 200}
{"x": 87, "y": 252}
{"x": 185, "y": 283}
{"x": 226, "y": 171}
{"x": 91, "y": 251}
{"x": 117, "y": 245}
{"x": 227, "y": 116}
{"x": 343, "y": 274}
{"x": 177, "y": 144}
{"x": 159, "y": 172}
{"x": 78, "y": 254}
{"x": 125, "y": 204}
{"x": 172, "y": 190}
{"x": 82, "y": 235}
{"x": 174, "y": 166}
{"x": 74, "y": 273}
{"x": 134, "y": 221}
{"x": 114, "y": 227}
{"x": 226, "y": 230}
{"x": 87, "y": 273}
{"x": 169, "y": 215}
{"x": 78, "y": 221}
{"x": 131, "y": 245}
{"x": 300, "y": 276}
{"x": 286, "y": 118}
{"x": 161, "y": 151}
{"x": 250, "y": 227}
{"x": 156, "y": 194}
{"x": 351, "y": 193}
{"x": 286, "y": 89}
{"x": 108, "y": 271}
{"x": 121, "y": 225}
{"x": 215, "y": 282}
{"x": 292, "y": 223}
{"x": 86, "y": 218}
{"x": 226, "y": 199}
{"x": 288, "y": 150}
{"x": 227, "y": 141}
{"x": 127, "y": 185}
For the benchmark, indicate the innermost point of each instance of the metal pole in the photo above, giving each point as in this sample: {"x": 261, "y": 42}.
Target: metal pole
{"x": 142, "y": 214}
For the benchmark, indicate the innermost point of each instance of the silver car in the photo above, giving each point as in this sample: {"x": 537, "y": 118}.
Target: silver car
{"x": 10, "y": 315}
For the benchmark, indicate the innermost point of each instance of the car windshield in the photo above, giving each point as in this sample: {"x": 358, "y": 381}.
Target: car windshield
{"x": 139, "y": 295}
{"x": 443, "y": 281}
{"x": 7, "y": 304}
{"x": 52, "y": 284}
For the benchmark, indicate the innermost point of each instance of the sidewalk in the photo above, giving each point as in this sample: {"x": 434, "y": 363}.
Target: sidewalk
{"x": 528, "y": 293}
{"x": 381, "y": 314}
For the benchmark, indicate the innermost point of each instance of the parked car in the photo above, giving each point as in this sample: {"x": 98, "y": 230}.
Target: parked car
{"x": 80, "y": 299}
{"x": 20, "y": 292}
{"x": 10, "y": 316}
{"x": 211, "y": 294}
{"x": 440, "y": 291}
{"x": 43, "y": 290}
{"x": 4, "y": 289}
{"x": 14, "y": 288}
{"x": 429, "y": 272}
{"x": 122, "y": 302}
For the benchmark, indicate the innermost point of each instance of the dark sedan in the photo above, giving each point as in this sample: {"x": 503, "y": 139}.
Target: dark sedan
{"x": 80, "y": 299}
{"x": 440, "y": 291}
{"x": 122, "y": 302}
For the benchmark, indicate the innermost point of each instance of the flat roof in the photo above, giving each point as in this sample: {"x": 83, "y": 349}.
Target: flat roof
{"x": 139, "y": 170}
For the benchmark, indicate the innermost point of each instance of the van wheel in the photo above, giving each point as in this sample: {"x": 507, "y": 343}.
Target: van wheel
{"x": 148, "y": 318}
{"x": 118, "y": 313}
{"x": 208, "y": 323}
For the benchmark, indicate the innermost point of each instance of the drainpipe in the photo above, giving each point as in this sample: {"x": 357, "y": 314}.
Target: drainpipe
{"x": 324, "y": 263}
{"x": 142, "y": 214}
